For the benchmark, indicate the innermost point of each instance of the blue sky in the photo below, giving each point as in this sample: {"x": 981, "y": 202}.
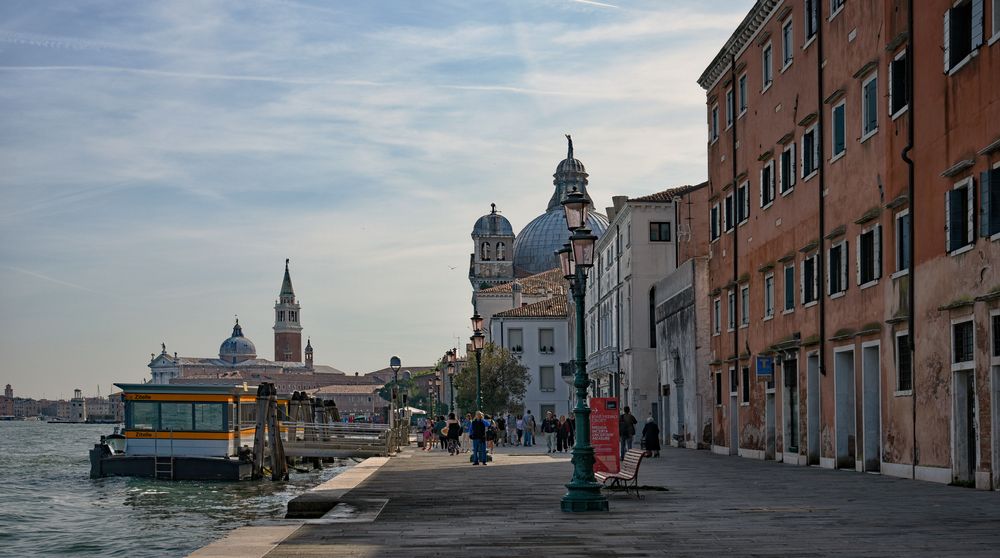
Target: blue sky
{"x": 159, "y": 161}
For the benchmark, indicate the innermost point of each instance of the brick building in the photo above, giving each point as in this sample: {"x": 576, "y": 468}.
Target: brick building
{"x": 811, "y": 226}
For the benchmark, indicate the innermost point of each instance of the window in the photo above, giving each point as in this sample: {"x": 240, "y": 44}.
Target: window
{"x": 787, "y": 44}
{"x": 767, "y": 184}
{"x": 810, "y": 153}
{"x": 769, "y": 295}
{"x": 652, "y": 317}
{"x": 903, "y": 240}
{"x": 176, "y": 416}
{"x": 730, "y": 108}
{"x": 812, "y": 18}
{"x": 145, "y": 415}
{"x": 744, "y": 306}
{"x": 501, "y": 251}
{"x": 743, "y": 202}
{"x": 717, "y": 316}
{"x": 731, "y": 309}
{"x": 809, "y": 289}
{"x": 659, "y": 232}
{"x": 904, "y": 366}
{"x": 836, "y": 278}
{"x": 714, "y": 123}
{"x": 281, "y": 315}
{"x": 728, "y": 213}
{"x": 546, "y": 341}
{"x": 547, "y": 378}
{"x": 958, "y": 216}
{"x": 714, "y": 221}
{"x": 768, "y": 72}
{"x": 515, "y": 340}
{"x": 788, "y": 168}
{"x": 743, "y": 93}
{"x": 963, "y": 33}
{"x": 839, "y": 129}
{"x": 996, "y": 20}
{"x": 870, "y": 255}
{"x": 989, "y": 202}
{"x": 789, "y": 288}
{"x": 869, "y": 107}
{"x": 835, "y": 7}
{"x": 963, "y": 340}
{"x": 292, "y": 316}
{"x": 996, "y": 335}
{"x": 899, "y": 94}
{"x": 209, "y": 417}
{"x": 746, "y": 384}
{"x": 734, "y": 382}
{"x": 718, "y": 388}
{"x": 484, "y": 251}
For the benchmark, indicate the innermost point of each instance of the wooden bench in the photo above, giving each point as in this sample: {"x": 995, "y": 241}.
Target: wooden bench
{"x": 627, "y": 475}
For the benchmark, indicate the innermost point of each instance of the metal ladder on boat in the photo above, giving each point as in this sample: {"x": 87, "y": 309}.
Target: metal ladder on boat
{"x": 163, "y": 467}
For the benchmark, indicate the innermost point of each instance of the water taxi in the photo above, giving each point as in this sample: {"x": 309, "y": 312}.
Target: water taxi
{"x": 183, "y": 432}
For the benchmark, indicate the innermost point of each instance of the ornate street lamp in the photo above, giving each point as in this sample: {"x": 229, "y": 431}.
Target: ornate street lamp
{"x": 452, "y": 356}
{"x": 478, "y": 341}
{"x": 394, "y": 364}
{"x": 583, "y": 493}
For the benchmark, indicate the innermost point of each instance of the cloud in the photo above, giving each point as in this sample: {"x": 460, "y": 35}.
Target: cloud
{"x": 593, "y": 3}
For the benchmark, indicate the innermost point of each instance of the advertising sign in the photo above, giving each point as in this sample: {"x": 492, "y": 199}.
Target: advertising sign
{"x": 604, "y": 433}
{"x": 765, "y": 367}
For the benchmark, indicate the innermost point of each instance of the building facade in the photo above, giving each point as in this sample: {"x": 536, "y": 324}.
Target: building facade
{"x": 833, "y": 131}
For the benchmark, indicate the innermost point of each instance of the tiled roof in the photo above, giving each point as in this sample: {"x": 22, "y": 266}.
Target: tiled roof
{"x": 554, "y": 307}
{"x": 341, "y": 389}
{"x": 669, "y": 194}
{"x": 533, "y": 285}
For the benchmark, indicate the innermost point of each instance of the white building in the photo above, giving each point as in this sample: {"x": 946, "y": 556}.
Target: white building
{"x": 538, "y": 336}
{"x": 637, "y": 250}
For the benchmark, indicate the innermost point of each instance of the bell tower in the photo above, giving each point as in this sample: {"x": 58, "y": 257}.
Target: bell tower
{"x": 287, "y": 329}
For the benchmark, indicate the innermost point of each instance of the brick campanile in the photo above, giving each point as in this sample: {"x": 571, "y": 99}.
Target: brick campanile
{"x": 287, "y": 329}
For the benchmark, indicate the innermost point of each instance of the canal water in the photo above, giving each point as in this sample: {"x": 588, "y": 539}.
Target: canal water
{"x": 49, "y": 505}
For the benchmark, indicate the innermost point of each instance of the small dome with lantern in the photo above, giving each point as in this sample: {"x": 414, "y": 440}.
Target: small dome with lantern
{"x": 237, "y": 348}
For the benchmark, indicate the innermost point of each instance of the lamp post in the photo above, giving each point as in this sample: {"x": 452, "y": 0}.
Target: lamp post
{"x": 478, "y": 341}
{"x": 452, "y": 357}
{"x": 583, "y": 493}
{"x": 394, "y": 364}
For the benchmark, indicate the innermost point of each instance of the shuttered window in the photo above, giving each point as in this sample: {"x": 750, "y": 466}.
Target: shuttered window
{"x": 728, "y": 213}
{"x": 959, "y": 217}
{"x": 839, "y": 129}
{"x": 810, "y": 152}
{"x": 963, "y": 32}
{"x": 789, "y": 288}
{"x": 903, "y": 241}
{"x": 809, "y": 280}
{"x": 870, "y": 255}
{"x": 768, "y": 71}
{"x": 743, "y": 93}
{"x": 899, "y": 93}
{"x": 743, "y": 202}
{"x": 989, "y": 202}
{"x": 962, "y": 343}
{"x": 714, "y": 218}
{"x": 767, "y": 184}
{"x": 904, "y": 367}
{"x": 812, "y": 17}
{"x": 837, "y": 269}
{"x": 869, "y": 109}
{"x": 788, "y": 168}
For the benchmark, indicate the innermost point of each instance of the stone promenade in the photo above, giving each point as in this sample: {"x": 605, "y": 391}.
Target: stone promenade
{"x": 432, "y": 504}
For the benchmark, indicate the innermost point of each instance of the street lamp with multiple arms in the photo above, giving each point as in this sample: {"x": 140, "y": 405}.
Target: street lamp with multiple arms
{"x": 583, "y": 494}
{"x": 478, "y": 341}
{"x": 452, "y": 356}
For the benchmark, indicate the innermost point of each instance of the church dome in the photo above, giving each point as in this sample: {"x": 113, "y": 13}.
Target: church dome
{"x": 237, "y": 348}
{"x": 569, "y": 166}
{"x": 535, "y": 246}
{"x": 492, "y": 224}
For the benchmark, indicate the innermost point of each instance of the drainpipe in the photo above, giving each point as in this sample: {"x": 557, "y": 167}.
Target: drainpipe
{"x": 616, "y": 390}
{"x": 820, "y": 267}
{"x": 911, "y": 252}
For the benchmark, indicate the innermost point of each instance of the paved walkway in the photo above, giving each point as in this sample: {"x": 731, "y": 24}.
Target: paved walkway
{"x": 432, "y": 504}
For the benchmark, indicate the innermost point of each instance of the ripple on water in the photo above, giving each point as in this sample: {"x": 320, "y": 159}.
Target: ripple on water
{"x": 52, "y": 507}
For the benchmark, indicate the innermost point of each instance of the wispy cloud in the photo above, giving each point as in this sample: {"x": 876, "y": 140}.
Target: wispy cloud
{"x": 593, "y": 3}
{"x": 53, "y": 280}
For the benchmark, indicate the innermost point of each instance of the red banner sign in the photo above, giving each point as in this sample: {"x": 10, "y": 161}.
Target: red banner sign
{"x": 604, "y": 433}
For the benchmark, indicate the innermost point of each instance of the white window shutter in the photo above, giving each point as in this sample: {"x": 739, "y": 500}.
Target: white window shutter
{"x": 762, "y": 187}
{"x": 947, "y": 40}
{"x": 977, "y": 24}
{"x": 947, "y": 217}
{"x": 857, "y": 259}
{"x": 829, "y": 271}
{"x": 877, "y": 252}
{"x": 802, "y": 158}
{"x": 887, "y": 88}
{"x": 802, "y": 283}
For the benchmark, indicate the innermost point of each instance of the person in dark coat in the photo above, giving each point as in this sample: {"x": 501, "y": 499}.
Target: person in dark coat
{"x": 651, "y": 438}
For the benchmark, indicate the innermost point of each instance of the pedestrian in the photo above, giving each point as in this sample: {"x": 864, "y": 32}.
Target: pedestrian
{"x": 549, "y": 428}
{"x": 428, "y": 435}
{"x": 453, "y": 430}
{"x": 529, "y": 429}
{"x": 442, "y": 436}
{"x": 477, "y": 433}
{"x": 651, "y": 437}
{"x": 466, "y": 425}
{"x": 511, "y": 429}
{"x": 519, "y": 424}
{"x": 626, "y": 430}
{"x": 562, "y": 434}
{"x": 491, "y": 433}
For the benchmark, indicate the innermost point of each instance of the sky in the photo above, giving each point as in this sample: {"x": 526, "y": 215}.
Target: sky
{"x": 159, "y": 160}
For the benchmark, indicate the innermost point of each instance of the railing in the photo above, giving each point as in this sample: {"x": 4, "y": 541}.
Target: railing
{"x": 337, "y": 439}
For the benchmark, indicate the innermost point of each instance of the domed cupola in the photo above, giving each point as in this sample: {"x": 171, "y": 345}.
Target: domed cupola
{"x": 535, "y": 246}
{"x": 237, "y": 348}
{"x": 492, "y": 224}
{"x": 491, "y": 261}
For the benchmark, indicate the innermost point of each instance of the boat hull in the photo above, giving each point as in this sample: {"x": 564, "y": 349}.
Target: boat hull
{"x": 184, "y": 468}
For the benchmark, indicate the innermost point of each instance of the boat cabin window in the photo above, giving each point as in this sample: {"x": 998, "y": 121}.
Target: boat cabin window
{"x": 176, "y": 416}
{"x": 248, "y": 413}
{"x": 209, "y": 416}
{"x": 145, "y": 415}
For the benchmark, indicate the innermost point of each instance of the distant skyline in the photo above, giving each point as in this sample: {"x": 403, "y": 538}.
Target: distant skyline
{"x": 162, "y": 159}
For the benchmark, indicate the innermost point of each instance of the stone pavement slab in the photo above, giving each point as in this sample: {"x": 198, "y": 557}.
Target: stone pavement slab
{"x": 440, "y": 505}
